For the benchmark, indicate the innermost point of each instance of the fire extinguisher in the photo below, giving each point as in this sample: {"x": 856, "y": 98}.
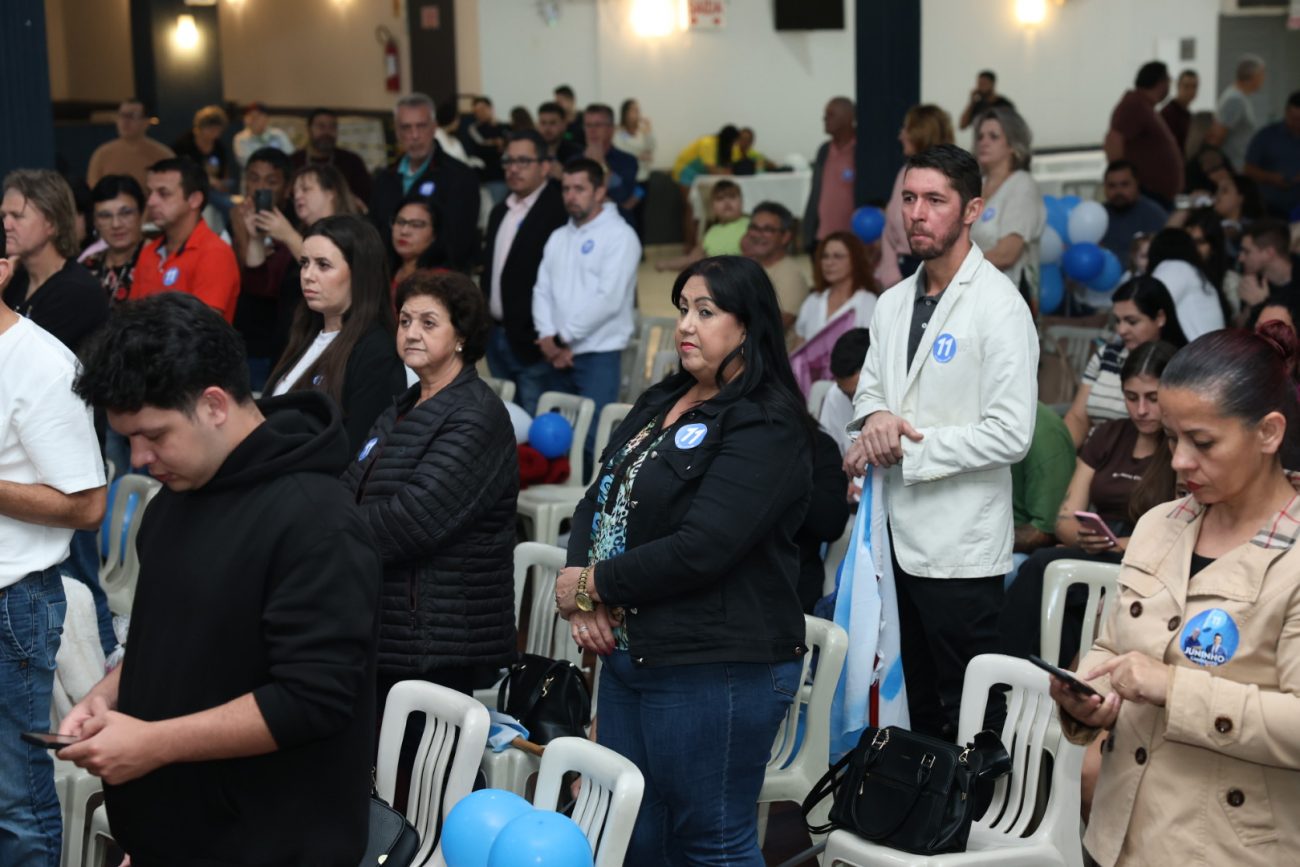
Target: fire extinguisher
{"x": 392, "y": 74}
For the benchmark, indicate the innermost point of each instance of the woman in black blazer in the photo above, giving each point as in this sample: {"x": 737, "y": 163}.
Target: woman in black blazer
{"x": 683, "y": 568}
{"x": 341, "y": 341}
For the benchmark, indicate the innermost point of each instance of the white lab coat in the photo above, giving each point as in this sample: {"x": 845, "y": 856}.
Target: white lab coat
{"x": 972, "y": 393}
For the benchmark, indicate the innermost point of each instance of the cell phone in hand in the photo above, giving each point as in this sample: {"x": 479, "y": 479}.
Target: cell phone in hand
{"x": 262, "y": 200}
{"x": 49, "y": 740}
{"x": 1068, "y": 678}
{"x": 1092, "y": 522}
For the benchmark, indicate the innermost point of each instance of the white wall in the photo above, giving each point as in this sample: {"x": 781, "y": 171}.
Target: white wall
{"x": 1066, "y": 74}
{"x": 689, "y": 84}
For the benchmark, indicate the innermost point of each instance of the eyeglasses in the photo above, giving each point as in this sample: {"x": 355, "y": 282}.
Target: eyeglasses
{"x": 764, "y": 230}
{"x": 417, "y": 225}
{"x": 122, "y": 214}
{"x": 522, "y": 162}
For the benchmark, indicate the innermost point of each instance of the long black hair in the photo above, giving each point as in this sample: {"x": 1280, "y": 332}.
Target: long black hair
{"x": 741, "y": 287}
{"x": 1175, "y": 245}
{"x": 435, "y": 255}
{"x": 726, "y": 141}
{"x": 1159, "y": 481}
{"x": 1211, "y": 228}
{"x": 371, "y": 306}
{"x": 1152, "y": 297}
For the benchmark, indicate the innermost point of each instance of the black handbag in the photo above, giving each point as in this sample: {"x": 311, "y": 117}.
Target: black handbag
{"x": 911, "y": 792}
{"x": 550, "y": 697}
{"x": 393, "y": 841}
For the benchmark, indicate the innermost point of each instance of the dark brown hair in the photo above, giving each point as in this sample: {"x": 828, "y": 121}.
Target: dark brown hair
{"x": 864, "y": 276}
{"x": 464, "y": 303}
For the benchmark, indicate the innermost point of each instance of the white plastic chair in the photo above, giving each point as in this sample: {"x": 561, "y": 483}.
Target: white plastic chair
{"x": 1003, "y": 836}
{"x": 100, "y": 835}
{"x": 608, "y": 797}
{"x": 1078, "y": 345}
{"x": 504, "y": 388}
{"x": 835, "y": 553}
{"x": 1059, "y": 576}
{"x": 546, "y": 507}
{"x": 665, "y": 361}
{"x": 579, "y": 412}
{"x": 792, "y": 773}
{"x": 654, "y": 334}
{"x": 76, "y": 788}
{"x": 817, "y": 396}
{"x": 119, "y": 572}
{"x": 446, "y": 760}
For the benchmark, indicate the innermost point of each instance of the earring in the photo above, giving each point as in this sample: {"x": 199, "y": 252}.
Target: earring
{"x": 460, "y": 347}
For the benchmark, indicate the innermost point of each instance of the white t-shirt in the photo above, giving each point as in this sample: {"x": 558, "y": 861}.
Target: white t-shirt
{"x": 837, "y": 412}
{"x": 1195, "y": 301}
{"x": 1015, "y": 209}
{"x": 317, "y": 348}
{"x": 47, "y": 437}
{"x": 812, "y": 313}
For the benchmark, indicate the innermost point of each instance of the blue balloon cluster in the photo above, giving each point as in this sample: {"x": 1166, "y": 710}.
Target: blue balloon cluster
{"x": 1070, "y": 248}
{"x": 551, "y": 434}
{"x": 493, "y": 828}
{"x": 868, "y": 223}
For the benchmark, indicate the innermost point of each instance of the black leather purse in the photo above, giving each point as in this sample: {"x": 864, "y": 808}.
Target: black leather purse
{"x": 911, "y": 792}
{"x": 393, "y": 841}
{"x": 550, "y": 697}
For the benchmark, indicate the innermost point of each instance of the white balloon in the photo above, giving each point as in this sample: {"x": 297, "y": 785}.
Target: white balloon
{"x": 1050, "y": 247}
{"x": 1088, "y": 222}
{"x": 521, "y": 421}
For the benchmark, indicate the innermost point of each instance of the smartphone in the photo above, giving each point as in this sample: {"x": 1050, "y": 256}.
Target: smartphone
{"x": 1068, "y": 678}
{"x": 1092, "y": 521}
{"x": 262, "y": 200}
{"x": 49, "y": 740}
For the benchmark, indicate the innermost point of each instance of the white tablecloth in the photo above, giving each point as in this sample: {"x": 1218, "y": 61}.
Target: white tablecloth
{"x": 787, "y": 188}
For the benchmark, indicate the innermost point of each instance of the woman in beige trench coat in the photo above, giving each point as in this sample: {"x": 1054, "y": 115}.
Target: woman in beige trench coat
{"x": 1198, "y": 665}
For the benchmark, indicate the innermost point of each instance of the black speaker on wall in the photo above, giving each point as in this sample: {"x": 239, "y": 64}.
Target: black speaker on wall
{"x": 809, "y": 14}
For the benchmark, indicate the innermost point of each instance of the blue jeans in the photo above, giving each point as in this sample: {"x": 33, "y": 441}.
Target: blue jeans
{"x": 530, "y": 379}
{"x": 596, "y": 375}
{"x": 31, "y": 623}
{"x": 701, "y": 736}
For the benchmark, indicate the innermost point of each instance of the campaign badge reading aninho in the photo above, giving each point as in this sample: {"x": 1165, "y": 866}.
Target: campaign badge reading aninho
{"x": 1210, "y": 638}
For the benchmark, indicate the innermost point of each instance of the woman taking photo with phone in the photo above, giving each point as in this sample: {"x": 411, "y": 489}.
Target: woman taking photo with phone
{"x": 1198, "y": 663}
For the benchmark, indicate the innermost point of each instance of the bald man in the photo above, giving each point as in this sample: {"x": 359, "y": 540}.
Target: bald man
{"x": 830, "y": 202}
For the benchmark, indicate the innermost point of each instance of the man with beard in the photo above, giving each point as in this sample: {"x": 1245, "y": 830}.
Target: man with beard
{"x": 945, "y": 403}
{"x": 1131, "y": 213}
{"x": 323, "y": 150}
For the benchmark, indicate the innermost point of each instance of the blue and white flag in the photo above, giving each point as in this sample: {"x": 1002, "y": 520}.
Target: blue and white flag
{"x": 871, "y": 691}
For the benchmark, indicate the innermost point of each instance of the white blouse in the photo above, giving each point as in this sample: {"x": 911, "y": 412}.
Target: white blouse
{"x": 812, "y": 314}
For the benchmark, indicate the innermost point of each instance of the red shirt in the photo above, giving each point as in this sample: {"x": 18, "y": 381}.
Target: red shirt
{"x": 204, "y": 266}
{"x": 835, "y": 208}
{"x": 1149, "y": 145}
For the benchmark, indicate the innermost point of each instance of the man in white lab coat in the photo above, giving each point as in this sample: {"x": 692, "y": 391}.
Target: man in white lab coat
{"x": 945, "y": 403}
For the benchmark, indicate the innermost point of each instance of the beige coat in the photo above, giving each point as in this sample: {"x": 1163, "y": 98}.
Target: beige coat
{"x": 1212, "y": 778}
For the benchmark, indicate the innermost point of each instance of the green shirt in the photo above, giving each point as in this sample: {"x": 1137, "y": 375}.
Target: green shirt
{"x": 723, "y": 239}
{"x": 1039, "y": 481}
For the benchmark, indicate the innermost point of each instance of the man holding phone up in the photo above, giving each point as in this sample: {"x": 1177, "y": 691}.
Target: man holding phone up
{"x": 946, "y": 404}
{"x": 51, "y": 483}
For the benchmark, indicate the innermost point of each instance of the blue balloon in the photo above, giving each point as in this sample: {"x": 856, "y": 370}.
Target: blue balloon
{"x": 1051, "y": 289}
{"x": 868, "y": 223}
{"x": 1111, "y": 271}
{"x": 474, "y": 824}
{"x": 1070, "y": 202}
{"x": 1082, "y": 262}
{"x": 540, "y": 839}
{"x": 1058, "y": 216}
{"x": 551, "y": 434}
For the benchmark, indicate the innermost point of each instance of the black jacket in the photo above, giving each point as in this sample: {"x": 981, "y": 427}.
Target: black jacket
{"x": 264, "y": 580}
{"x": 454, "y": 191}
{"x": 438, "y": 490}
{"x": 811, "y": 220}
{"x": 711, "y": 566}
{"x": 828, "y": 513}
{"x": 519, "y": 272}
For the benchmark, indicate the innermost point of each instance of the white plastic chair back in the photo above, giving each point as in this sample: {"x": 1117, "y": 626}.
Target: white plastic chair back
{"x": 1060, "y": 575}
{"x": 579, "y": 412}
{"x": 611, "y": 416}
{"x": 504, "y": 388}
{"x": 817, "y": 396}
{"x": 608, "y": 798}
{"x": 835, "y": 553}
{"x": 118, "y": 574}
{"x": 665, "y": 361}
{"x": 110, "y": 471}
{"x": 446, "y": 759}
{"x": 654, "y": 334}
{"x": 536, "y": 566}
{"x": 1078, "y": 345}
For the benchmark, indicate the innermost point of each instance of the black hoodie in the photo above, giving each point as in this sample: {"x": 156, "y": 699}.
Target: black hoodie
{"x": 264, "y": 580}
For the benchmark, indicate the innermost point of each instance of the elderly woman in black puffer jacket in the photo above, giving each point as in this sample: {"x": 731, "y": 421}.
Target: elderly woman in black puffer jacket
{"x": 436, "y": 480}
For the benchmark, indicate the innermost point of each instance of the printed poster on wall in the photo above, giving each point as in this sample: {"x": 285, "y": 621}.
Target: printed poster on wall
{"x": 708, "y": 14}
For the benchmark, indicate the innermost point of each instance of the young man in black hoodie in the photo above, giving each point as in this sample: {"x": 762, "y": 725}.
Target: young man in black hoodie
{"x": 239, "y": 729}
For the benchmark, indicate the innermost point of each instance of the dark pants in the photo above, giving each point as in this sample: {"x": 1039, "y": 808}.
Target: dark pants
{"x": 943, "y": 624}
{"x": 1020, "y": 622}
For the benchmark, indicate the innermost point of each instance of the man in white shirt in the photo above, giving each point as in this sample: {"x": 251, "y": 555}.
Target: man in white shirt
{"x": 258, "y": 133}
{"x": 946, "y": 402}
{"x": 586, "y": 286}
{"x": 51, "y": 483}
{"x": 1234, "y": 116}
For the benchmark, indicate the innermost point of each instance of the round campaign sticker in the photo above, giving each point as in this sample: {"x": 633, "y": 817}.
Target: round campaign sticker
{"x": 366, "y": 449}
{"x": 691, "y": 435}
{"x": 989, "y": 213}
{"x": 426, "y": 188}
{"x": 945, "y": 347}
{"x": 171, "y": 276}
{"x": 588, "y": 245}
{"x": 847, "y": 174}
{"x": 1210, "y": 638}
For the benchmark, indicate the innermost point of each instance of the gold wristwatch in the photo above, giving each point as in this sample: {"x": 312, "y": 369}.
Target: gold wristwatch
{"x": 580, "y": 596}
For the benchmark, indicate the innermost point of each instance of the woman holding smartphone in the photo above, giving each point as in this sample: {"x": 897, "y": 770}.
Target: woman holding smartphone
{"x": 1198, "y": 663}
{"x": 1122, "y": 470}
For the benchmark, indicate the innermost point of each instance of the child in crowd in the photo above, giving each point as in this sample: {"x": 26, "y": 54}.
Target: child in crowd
{"x": 723, "y": 236}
